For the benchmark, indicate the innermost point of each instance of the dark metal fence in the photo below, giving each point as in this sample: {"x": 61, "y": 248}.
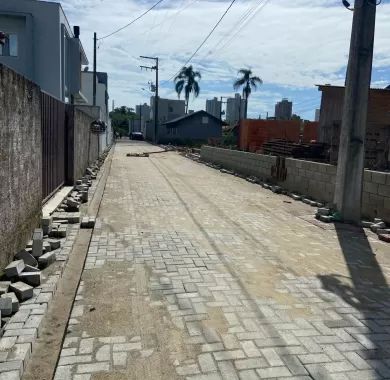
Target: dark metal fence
{"x": 53, "y": 144}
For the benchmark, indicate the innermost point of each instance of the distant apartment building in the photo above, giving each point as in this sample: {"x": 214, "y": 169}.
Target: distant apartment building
{"x": 283, "y": 110}
{"x": 235, "y": 109}
{"x": 41, "y": 45}
{"x": 317, "y": 115}
{"x": 142, "y": 112}
{"x": 168, "y": 109}
{"x": 214, "y": 107}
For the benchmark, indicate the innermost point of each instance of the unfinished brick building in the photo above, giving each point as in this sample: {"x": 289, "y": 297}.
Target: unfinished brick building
{"x": 377, "y": 142}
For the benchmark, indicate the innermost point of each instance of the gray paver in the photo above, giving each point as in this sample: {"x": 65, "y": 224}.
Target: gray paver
{"x": 252, "y": 286}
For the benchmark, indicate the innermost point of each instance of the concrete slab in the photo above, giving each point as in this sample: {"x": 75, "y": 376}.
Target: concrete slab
{"x": 50, "y": 206}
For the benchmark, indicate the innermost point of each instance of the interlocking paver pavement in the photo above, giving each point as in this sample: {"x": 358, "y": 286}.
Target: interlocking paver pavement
{"x": 196, "y": 274}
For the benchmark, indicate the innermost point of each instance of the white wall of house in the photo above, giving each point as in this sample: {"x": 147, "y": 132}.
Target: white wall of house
{"x": 101, "y": 102}
{"x": 46, "y": 48}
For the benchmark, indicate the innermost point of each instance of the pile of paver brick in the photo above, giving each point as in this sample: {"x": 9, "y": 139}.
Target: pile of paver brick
{"x": 24, "y": 273}
{"x": 26, "y": 288}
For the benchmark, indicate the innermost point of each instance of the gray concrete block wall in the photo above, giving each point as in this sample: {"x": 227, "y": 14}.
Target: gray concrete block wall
{"x": 242, "y": 162}
{"x": 313, "y": 179}
{"x": 376, "y": 194}
{"x": 20, "y": 162}
{"x": 86, "y": 143}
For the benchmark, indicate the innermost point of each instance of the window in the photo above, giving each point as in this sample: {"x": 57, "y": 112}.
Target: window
{"x": 9, "y": 47}
{"x": 205, "y": 120}
{"x": 170, "y": 109}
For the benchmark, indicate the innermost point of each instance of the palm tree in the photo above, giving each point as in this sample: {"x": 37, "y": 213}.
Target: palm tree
{"x": 247, "y": 82}
{"x": 187, "y": 80}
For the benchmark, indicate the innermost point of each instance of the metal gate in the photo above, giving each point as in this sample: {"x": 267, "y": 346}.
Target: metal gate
{"x": 53, "y": 144}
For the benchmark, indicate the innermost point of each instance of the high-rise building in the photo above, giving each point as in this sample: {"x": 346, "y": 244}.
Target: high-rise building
{"x": 283, "y": 110}
{"x": 235, "y": 109}
{"x": 213, "y": 107}
{"x": 317, "y": 115}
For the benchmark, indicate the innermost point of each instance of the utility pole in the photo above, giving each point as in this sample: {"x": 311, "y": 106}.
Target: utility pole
{"x": 155, "y": 68}
{"x": 349, "y": 179}
{"x": 94, "y": 68}
{"x": 222, "y": 102}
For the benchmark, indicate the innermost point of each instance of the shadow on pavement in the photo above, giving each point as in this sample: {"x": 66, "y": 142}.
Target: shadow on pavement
{"x": 366, "y": 290}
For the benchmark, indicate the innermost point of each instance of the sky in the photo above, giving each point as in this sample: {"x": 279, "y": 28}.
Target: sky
{"x": 291, "y": 44}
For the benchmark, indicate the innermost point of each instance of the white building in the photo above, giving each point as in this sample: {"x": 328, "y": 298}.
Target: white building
{"x": 41, "y": 45}
{"x": 101, "y": 101}
{"x": 213, "y": 107}
{"x": 235, "y": 109}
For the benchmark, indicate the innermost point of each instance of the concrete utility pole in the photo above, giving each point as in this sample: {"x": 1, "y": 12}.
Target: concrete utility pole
{"x": 94, "y": 69}
{"x": 222, "y": 103}
{"x": 155, "y": 67}
{"x": 349, "y": 180}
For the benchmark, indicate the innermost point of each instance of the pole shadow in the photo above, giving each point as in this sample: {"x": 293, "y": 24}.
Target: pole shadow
{"x": 367, "y": 291}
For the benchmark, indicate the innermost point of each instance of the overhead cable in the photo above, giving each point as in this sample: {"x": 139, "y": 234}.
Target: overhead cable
{"x": 205, "y": 40}
{"x": 133, "y": 21}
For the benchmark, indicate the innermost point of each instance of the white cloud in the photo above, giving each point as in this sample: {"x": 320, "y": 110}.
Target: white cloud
{"x": 288, "y": 43}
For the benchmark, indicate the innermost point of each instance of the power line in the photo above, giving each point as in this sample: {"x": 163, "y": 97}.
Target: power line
{"x": 246, "y": 21}
{"x": 242, "y": 19}
{"x": 132, "y": 22}
{"x": 205, "y": 40}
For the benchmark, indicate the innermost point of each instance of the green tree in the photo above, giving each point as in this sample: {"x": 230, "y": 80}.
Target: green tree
{"x": 248, "y": 82}
{"x": 187, "y": 80}
{"x": 120, "y": 119}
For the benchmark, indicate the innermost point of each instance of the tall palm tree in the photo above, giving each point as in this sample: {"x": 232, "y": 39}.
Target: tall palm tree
{"x": 248, "y": 82}
{"x": 187, "y": 80}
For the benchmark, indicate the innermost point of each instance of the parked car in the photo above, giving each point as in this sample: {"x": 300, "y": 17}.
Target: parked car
{"x": 136, "y": 136}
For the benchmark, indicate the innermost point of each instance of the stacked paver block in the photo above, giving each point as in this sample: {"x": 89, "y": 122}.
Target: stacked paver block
{"x": 22, "y": 329}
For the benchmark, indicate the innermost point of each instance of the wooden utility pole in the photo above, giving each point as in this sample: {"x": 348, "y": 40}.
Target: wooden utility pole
{"x": 155, "y": 67}
{"x": 94, "y": 69}
{"x": 349, "y": 179}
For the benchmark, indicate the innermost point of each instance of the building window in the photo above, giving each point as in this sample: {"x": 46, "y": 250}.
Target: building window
{"x": 9, "y": 45}
{"x": 170, "y": 109}
{"x": 205, "y": 120}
